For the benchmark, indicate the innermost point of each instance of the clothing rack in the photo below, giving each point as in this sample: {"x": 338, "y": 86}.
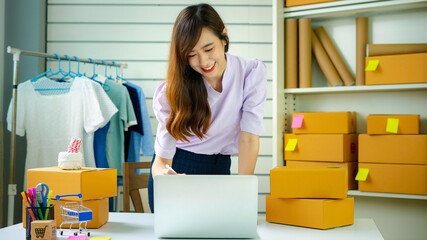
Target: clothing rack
{"x": 16, "y": 55}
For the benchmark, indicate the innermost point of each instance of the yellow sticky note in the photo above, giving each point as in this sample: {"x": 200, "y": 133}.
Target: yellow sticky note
{"x": 392, "y": 125}
{"x": 291, "y": 145}
{"x": 372, "y": 65}
{"x": 362, "y": 174}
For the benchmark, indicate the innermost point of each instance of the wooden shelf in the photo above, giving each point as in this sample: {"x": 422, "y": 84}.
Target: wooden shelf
{"x": 344, "y": 89}
{"x": 386, "y": 195}
{"x": 351, "y": 8}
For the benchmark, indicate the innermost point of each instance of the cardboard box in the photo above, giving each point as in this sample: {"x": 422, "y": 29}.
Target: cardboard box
{"x": 394, "y": 178}
{"x": 99, "y": 207}
{"x": 292, "y": 3}
{"x": 308, "y": 182}
{"x": 408, "y": 124}
{"x": 326, "y": 122}
{"x": 323, "y": 147}
{"x": 404, "y": 149}
{"x": 398, "y": 69}
{"x": 350, "y": 166}
{"x": 92, "y": 183}
{"x": 312, "y": 213}
{"x": 43, "y": 230}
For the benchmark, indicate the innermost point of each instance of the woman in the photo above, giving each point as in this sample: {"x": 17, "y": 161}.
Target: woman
{"x": 211, "y": 105}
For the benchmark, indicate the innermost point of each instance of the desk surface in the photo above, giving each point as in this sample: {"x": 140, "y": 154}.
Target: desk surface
{"x": 141, "y": 226}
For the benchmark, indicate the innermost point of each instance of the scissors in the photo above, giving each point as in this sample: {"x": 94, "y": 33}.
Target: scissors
{"x": 42, "y": 191}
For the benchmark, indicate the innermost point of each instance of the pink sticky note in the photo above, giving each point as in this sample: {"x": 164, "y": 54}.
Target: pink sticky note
{"x": 81, "y": 237}
{"x": 297, "y": 121}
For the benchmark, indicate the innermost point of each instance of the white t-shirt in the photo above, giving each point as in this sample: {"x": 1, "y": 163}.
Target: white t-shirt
{"x": 108, "y": 110}
{"x": 50, "y": 121}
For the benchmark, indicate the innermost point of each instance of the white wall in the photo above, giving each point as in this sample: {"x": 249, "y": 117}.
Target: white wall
{"x": 138, "y": 32}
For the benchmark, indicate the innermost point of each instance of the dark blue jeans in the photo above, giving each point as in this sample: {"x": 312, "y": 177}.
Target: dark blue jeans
{"x": 193, "y": 163}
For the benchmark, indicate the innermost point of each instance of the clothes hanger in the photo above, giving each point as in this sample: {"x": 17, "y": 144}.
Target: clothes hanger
{"x": 69, "y": 73}
{"x": 41, "y": 75}
{"x": 78, "y": 66}
{"x": 60, "y": 71}
{"x": 48, "y": 71}
{"x": 118, "y": 77}
{"x": 96, "y": 75}
{"x": 106, "y": 66}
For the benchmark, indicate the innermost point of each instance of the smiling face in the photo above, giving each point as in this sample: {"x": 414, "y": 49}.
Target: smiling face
{"x": 208, "y": 56}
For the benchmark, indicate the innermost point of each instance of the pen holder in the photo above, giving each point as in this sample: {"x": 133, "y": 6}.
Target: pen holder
{"x": 35, "y": 211}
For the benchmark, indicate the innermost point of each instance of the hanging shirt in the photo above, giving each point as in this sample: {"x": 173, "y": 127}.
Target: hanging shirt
{"x": 239, "y": 107}
{"x": 108, "y": 109}
{"x": 100, "y": 138}
{"x": 120, "y": 122}
{"x": 136, "y": 139}
{"x": 133, "y": 94}
{"x": 50, "y": 121}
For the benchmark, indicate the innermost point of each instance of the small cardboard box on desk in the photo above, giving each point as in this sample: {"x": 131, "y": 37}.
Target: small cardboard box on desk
{"x": 314, "y": 197}
{"x": 95, "y": 184}
{"x": 43, "y": 230}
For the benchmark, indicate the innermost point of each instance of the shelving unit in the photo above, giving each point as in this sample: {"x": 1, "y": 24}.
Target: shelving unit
{"x": 386, "y": 195}
{"x": 377, "y": 88}
{"x": 351, "y": 7}
{"x": 285, "y": 101}
{"x": 390, "y": 21}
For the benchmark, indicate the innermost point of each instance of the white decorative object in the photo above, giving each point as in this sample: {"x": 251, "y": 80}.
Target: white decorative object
{"x": 67, "y": 160}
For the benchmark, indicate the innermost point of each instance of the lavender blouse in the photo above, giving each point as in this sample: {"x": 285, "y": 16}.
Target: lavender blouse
{"x": 239, "y": 107}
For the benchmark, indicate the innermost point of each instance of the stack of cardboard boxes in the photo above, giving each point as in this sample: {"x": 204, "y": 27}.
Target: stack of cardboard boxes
{"x": 393, "y": 155}
{"x": 321, "y": 155}
{"x": 95, "y": 184}
{"x": 324, "y": 139}
{"x": 314, "y": 197}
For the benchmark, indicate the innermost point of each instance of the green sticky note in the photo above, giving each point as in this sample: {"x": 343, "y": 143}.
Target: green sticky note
{"x": 392, "y": 125}
{"x": 362, "y": 174}
{"x": 372, "y": 65}
{"x": 291, "y": 145}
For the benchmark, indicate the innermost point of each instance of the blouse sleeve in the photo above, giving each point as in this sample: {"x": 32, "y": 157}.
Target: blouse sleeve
{"x": 165, "y": 144}
{"x": 254, "y": 95}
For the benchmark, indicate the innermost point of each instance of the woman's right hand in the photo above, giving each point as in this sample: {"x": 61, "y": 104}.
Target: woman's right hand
{"x": 161, "y": 166}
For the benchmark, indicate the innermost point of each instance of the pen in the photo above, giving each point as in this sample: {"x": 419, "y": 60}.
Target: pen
{"x": 24, "y": 196}
{"x": 168, "y": 167}
{"x": 49, "y": 196}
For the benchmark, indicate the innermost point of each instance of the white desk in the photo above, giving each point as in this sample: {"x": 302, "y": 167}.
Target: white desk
{"x": 129, "y": 226}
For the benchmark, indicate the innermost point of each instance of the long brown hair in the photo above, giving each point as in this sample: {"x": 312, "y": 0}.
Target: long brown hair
{"x": 187, "y": 95}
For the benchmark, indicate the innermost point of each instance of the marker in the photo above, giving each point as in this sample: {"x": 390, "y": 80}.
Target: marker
{"x": 24, "y": 196}
{"x": 168, "y": 167}
{"x": 49, "y": 196}
{"x": 38, "y": 207}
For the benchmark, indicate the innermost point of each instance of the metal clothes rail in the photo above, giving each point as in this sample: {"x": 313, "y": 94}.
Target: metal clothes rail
{"x": 16, "y": 55}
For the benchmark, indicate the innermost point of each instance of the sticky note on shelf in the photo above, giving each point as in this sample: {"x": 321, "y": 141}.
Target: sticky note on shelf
{"x": 362, "y": 174}
{"x": 372, "y": 65}
{"x": 392, "y": 125}
{"x": 291, "y": 145}
{"x": 297, "y": 121}
{"x": 81, "y": 237}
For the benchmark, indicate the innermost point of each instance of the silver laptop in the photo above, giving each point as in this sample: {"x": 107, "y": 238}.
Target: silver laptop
{"x": 205, "y": 206}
